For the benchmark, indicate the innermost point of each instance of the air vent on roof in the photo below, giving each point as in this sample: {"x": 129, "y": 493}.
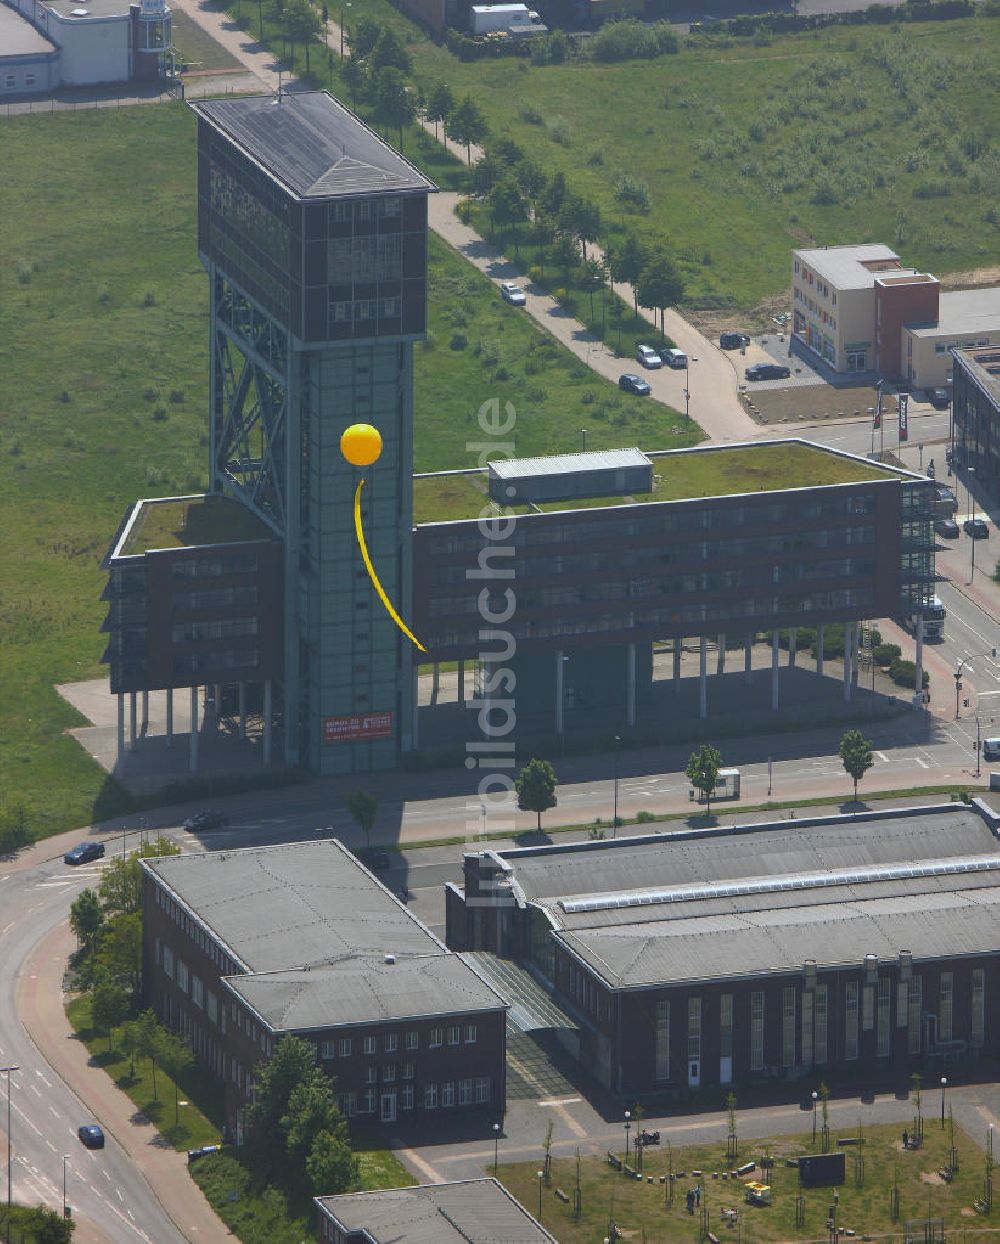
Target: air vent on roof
{"x": 390, "y": 958}
{"x": 79, "y": 12}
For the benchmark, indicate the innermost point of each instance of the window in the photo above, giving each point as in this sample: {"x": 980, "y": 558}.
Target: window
{"x": 726, "y": 1025}
{"x": 694, "y": 1028}
{"x": 465, "y": 1092}
{"x": 430, "y": 1096}
{"x": 29, "y": 79}
{"x": 10, "y": 81}
{"x": 851, "y": 1020}
{"x": 348, "y": 1103}
{"x": 389, "y": 1073}
{"x": 945, "y": 997}
{"x": 372, "y": 1075}
{"x": 212, "y": 1006}
{"x": 412, "y": 1040}
{"x": 820, "y": 1025}
{"x": 914, "y": 1022}
{"x": 409, "y": 1070}
{"x": 807, "y": 1027}
{"x": 868, "y": 1008}
{"x": 454, "y": 1033}
{"x": 788, "y": 1026}
{"x": 198, "y": 992}
{"x": 391, "y": 1041}
{"x": 470, "y": 1034}
{"x": 369, "y": 1100}
{"x": 757, "y": 1030}
{"x": 406, "y": 1099}
{"x": 369, "y": 1045}
{"x": 448, "y": 1094}
{"x": 882, "y": 1042}
{"x": 482, "y": 1091}
{"x": 344, "y": 1047}
{"x": 435, "y": 1040}
{"x": 978, "y": 1026}
{"x": 168, "y": 962}
{"x": 663, "y": 1039}
{"x": 182, "y": 975}
{"x": 328, "y": 1049}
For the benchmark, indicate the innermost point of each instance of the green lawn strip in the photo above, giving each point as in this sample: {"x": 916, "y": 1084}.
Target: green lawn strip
{"x": 198, "y": 1123}
{"x": 636, "y": 1207}
{"x": 196, "y": 47}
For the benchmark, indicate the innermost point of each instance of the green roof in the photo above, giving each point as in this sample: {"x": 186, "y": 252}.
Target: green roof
{"x": 679, "y": 475}
{"x": 185, "y": 522}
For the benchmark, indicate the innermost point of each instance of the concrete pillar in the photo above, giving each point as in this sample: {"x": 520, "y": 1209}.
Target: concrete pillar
{"x": 793, "y": 644}
{"x": 560, "y": 691}
{"x": 243, "y": 710}
{"x": 720, "y": 667}
{"x": 848, "y": 661}
{"x": 193, "y": 744}
{"x": 855, "y": 655}
{"x": 678, "y": 648}
{"x": 461, "y": 682}
{"x": 435, "y": 681}
{"x": 268, "y": 714}
{"x": 775, "y": 653}
{"x": 819, "y": 650}
{"x": 630, "y": 686}
{"x": 145, "y": 710}
{"x": 747, "y": 658}
{"x": 416, "y": 706}
{"x": 121, "y": 726}
{"x": 131, "y": 721}
{"x": 918, "y": 674}
{"x": 170, "y": 717}
{"x": 703, "y": 677}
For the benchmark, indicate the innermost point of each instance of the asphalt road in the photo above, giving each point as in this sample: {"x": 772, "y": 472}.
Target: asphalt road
{"x": 106, "y": 1191}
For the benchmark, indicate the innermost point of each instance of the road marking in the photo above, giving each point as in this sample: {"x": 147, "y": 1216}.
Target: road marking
{"x": 883, "y": 757}
{"x": 922, "y": 763}
{"x": 561, "y": 1101}
{"x": 425, "y": 1168}
{"x": 35, "y": 1089}
{"x": 42, "y": 1078}
{"x": 53, "y": 1110}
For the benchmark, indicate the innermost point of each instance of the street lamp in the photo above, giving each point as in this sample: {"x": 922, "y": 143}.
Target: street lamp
{"x": 496, "y": 1147}
{"x": 687, "y": 386}
{"x": 541, "y": 1176}
{"x": 972, "y": 524}
{"x": 10, "y": 1170}
{"x": 958, "y": 686}
{"x": 944, "y": 1085}
{"x": 342, "y": 19}
{"x": 815, "y": 1098}
{"x": 628, "y": 1125}
{"x": 614, "y": 819}
{"x": 583, "y": 434}
{"x": 65, "y": 1160}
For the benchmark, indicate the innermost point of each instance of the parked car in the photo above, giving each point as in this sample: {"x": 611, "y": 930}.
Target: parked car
{"x": 206, "y": 819}
{"x": 977, "y": 528}
{"x": 648, "y": 357}
{"x": 947, "y": 527}
{"x": 378, "y": 861}
{"x": 512, "y": 293}
{"x": 675, "y": 358}
{"x": 767, "y": 371}
{"x": 733, "y": 341}
{"x": 991, "y": 749}
{"x": 91, "y": 1136}
{"x": 84, "y": 852}
{"x": 939, "y": 398}
{"x": 632, "y": 383}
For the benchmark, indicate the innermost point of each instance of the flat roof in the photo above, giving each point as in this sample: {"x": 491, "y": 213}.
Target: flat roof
{"x": 678, "y": 475}
{"x": 365, "y": 989}
{"x": 568, "y": 464}
{"x": 961, "y": 311}
{"x": 19, "y": 38}
{"x": 184, "y": 522}
{"x": 95, "y": 8}
{"x": 313, "y": 145}
{"x": 471, "y": 1211}
{"x": 844, "y": 266}
{"x": 983, "y": 366}
{"x": 293, "y": 905}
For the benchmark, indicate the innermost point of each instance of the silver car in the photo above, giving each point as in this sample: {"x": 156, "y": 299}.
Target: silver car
{"x": 648, "y": 357}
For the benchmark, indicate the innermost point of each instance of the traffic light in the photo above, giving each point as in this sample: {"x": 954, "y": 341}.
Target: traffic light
{"x": 965, "y": 703}
{"x": 878, "y": 420}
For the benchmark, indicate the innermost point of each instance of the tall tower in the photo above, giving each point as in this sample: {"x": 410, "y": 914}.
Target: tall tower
{"x": 314, "y": 235}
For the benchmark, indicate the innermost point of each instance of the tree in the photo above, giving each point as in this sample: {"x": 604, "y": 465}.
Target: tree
{"x": 590, "y": 280}
{"x": 86, "y": 918}
{"x": 362, "y": 808}
{"x": 565, "y": 254}
{"x": 292, "y": 1062}
{"x": 44, "y": 1226}
{"x": 626, "y": 263}
{"x": 703, "y": 769}
{"x": 486, "y": 173}
{"x": 311, "y": 1110}
{"x": 393, "y": 101}
{"x": 857, "y": 755}
{"x": 440, "y": 104}
{"x": 120, "y": 887}
{"x": 364, "y": 37}
{"x": 582, "y": 218}
{"x": 536, "y": 788}
{"x": 149, "y": 1035}
{"x": 330, "y": 1164}
{"x": 660, "y": 286}
{"x": 354, "y": 76}
{"x": 129, "y": 1042}
{"x": 176, "y": 1058}
{"x": 119, "y": 952}
{"x": 466, "y": 125}
{"x": 554, "y": 195}
{"x": 389, "y": 53}
{"x": 508, "y": 206}
{"x": 302, "y": 25}
{"x": 109, "y": 1006}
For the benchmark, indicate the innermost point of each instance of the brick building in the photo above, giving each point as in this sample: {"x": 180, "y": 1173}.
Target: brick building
{"x": 241, "y": 947}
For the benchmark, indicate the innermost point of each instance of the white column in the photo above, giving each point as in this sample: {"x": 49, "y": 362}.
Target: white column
{"x": 268, "y": 714}
{"x": 145, "y": 710}
{"x": 121, "y": 726}
{"x": 703, "y": 677}
{"x": 918, "y": 674}
{"x": 855, "y": 655}
{"x": 416, "y": 706}
{"x": 819, "y": 650}
{"x": 720, "y": 667}
{"x": 131, "y": 721}
{"x": 193, "y": 745}
{"x": 461, "y": 682}
{"x": 243, "y": 710}
{"x": 170, "y": 716}
{"x": 747, "y": 658}
{"x": 559, "y": 691}
{"x": 848, "y": 661}
{"x": 630, "y": 686}
{"x": 775, "y": 652}
{"x": 678, "y": 646}
{"x": 793, "y": 644}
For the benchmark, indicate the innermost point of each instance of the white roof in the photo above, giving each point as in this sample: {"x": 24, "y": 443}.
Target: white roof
{"x": 843, "y": 266}
{"x": 972, "y": 311}
{"x": 568, "y": 464}
{"x": 19, "y": 38}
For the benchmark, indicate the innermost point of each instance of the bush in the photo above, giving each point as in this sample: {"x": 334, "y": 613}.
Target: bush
{"x": 644, "y": 818}
{"x": 458, "y": 341}
{"x": 531, "y": 116}
{"x": 903, "y": 673}
{"x": 632, "y": 193}
{"x": 885, "y": 654}
{"x": 632, "y": 40}
{"x": 149, "y": 298}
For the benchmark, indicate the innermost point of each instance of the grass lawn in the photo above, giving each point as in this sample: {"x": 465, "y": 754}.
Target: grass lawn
{"x": 196, "y": 47}
{"x": 198, "y": 1123}
{"x": 640, "y": 1207}
{"x": 177, "y": 524}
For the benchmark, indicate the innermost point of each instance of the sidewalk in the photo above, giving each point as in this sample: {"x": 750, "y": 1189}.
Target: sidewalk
{"x": 40, "y": 1006}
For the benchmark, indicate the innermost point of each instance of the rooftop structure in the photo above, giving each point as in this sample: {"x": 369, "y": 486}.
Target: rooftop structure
{"x": 983, "y": 368}
{"x": 570, "y": 477}
{"x": 473, "y": 1211}
{"x": 970, "y": 311}
{"x": 18, "y": 37}
{"x": 854, "y": 267}
{"x": 184, "y": 522}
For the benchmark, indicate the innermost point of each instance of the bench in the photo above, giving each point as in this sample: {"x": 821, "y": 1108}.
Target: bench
{"x": 711, "y": 1237}
{"x": 614, "y": 1160}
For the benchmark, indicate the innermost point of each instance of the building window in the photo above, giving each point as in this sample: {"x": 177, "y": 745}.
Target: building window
{"x": 788, "y": 1026}
{"x": 868, "y": 1008}
{"x": 328, "y": 1049}
{"x": 807, "y": 1027}
{"x": 372, "y": 1075}
{"x": 448, "y": 1094}
{"x": 430, "y": 1096}
{"x": 945, "y": 1003}
{"x": 369, "y": 1045}
{"x": 470, "y": 1034}
{"x": 412, "y": 1040}
{"x": 454, "y": 1033}
{"x": 436, "y": 1036}
{"x": 197, "y": 992}
{"x": 168, "y": 962}
{"x": 391, "y": 1042}
{"x": 465, "y": 1092}
{"x": 344, "y": 1047}
{"x": 349, "y": 1103}
{"x": 851, "y": 1020}
{"x": 29, "y": 79}
{"x": 482, "y": 1091}
{"x": 820, "y": 1025}
{"x": 694, "y": 1029}
{"x": 212, "y": 1006}
{"x": 978, "y": 1026}
{"x": 757, "y": 1030}
{"x": 726, "y": 1026}
{"x": 915, "y": 1018}
{"x": 369, "y": 1099}
{"x": 662, "y": 1039}
{"x": 182, "y": 975}
{"x": 409, "y": 1070}
{"x": 406, "y": 1098}
{"x": 882, "y": 1033}
{"x": 389, "y": 1073}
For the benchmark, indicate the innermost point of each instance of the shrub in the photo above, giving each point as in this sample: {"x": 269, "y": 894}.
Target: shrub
{"x": 531, "y": 116}
{"x": 458, "y": 341}
{"x": 885, "y": 654}
{"x": 160, "y": 413}
{"x": 150, "y": 394}
{"x": 149, "y": 298}
{"x": 24, "y": 270}
{"x": 643, "y": 817}
{"x": 903, "y": 673}
{"x": 631, "y": 192}
{"x": 177, "y": 396}
{"x": 632, "y": 40}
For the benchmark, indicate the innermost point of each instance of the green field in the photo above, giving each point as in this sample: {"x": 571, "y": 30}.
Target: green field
{"x": 104, "y": 394}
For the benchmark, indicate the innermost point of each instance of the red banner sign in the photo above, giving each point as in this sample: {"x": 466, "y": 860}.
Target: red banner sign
{"x": 357, "y": 726}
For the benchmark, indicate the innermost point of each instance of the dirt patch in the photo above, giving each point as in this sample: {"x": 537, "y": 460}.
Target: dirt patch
{"x": 977, "y": 278}
{"x": 812, "y": 403}
{"x": 966, "y": 1212}
{"x": 931, "y": 1177}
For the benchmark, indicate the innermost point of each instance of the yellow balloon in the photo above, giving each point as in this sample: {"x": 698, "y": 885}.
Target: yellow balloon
{"x": 361, "y": 444}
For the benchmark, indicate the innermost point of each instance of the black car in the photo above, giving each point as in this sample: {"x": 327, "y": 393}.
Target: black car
{"x": 733, "y": 341}
{"x": 91, "y": 1136}
{"x": 84, "y": 853}
{"x": 939, "y": 398}
{"x": 632, "y": 383}
{"x": 767, "y": 371}
{"x": 977, "y": 528}
{"x": 378, "y": 861}
{"x": 208, "y": 819}
{"x": 947, "y": 527}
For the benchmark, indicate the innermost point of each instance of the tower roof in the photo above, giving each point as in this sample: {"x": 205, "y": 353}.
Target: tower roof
{"x": 313, "y": 145}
